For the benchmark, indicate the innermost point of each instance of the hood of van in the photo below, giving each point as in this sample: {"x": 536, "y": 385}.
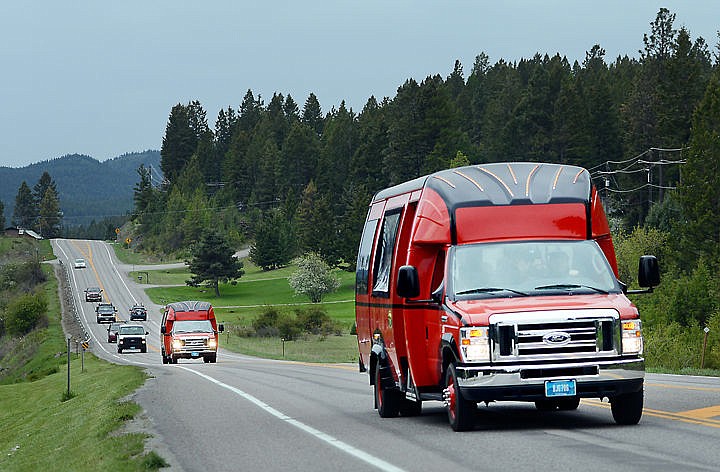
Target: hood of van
{"x": 477, "y": 312}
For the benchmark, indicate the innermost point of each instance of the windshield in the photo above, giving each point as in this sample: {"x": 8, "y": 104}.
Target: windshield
{"x": 131, "y": 330}
{"x": 106, "y": 309}
{"x": 200, "y": 326}
{"x": 529, "y": 268}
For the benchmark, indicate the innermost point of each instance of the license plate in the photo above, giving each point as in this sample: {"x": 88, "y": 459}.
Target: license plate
{"x": 194, "y": 354}
{"x": 560, "y": 388}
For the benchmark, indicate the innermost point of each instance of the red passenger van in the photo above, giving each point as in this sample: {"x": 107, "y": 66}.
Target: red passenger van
{"x": 189, "y": 330}
{"x": 497, "y": 282}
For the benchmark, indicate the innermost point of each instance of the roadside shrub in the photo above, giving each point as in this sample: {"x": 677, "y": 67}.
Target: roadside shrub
{"x": 288, "y": 328}
{"x": 672, "y": 346}
{"x": 267, "y": 321}
{"x": 273, "y": 323}
{"x": 315, "y": 321}
{"x": 25, "y": 313}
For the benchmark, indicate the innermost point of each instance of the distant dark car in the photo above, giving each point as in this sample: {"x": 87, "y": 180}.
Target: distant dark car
{"x": 138, "y": 312}
{"x": 113, "y": 331}
{"x": 105, "y": 312}
{"x": 93, "y": 294}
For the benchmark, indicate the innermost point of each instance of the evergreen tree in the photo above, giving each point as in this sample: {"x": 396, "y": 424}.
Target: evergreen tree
{"x": 143, "y": 190}
{"x": 312, "y": 114}
{"x": 314, "y": 223}
{"x": 209, "y": 162}
{"x": 225, "y": 126}
{"x": 2, "y": 216}
{"x": 366, "y": 167}
{"x": 273, "y": 245}
{"x": 50, "y": 214}
{"x": 474, "y": 97}
{"x": 339, "y": 142}
{"x": 179, "y": 142}
{"x": 298, "y": 157}
{"x": 25, "y": 212}
{"x": 44, "y": 183}
{"x": 213, "y": 261}
{"x": 265, "y": 188}
{"x": 699, "y": 193}
{"x": 291, "y": 109}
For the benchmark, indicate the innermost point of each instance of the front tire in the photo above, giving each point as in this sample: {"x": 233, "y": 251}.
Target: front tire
{"x": 387, "y": 400}
{"x": 461, "y": 412}
{"x": 627, "y": 408}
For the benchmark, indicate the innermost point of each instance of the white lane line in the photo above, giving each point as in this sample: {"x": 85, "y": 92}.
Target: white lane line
{"x": 334, "y": 442}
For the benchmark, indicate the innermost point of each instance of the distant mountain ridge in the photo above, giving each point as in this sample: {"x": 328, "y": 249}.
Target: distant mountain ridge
{"x": 88, "y": 189}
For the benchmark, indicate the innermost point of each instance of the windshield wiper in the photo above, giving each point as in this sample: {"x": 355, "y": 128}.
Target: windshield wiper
{"x": 490, "y": 289}
{"x": 570, "y": 287}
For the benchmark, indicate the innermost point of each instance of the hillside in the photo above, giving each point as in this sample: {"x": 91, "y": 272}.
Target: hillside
{"x": 89, "y": 189}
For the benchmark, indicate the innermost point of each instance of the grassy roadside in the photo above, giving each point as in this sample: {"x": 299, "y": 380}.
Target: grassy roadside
{"x": 40, "y": 430}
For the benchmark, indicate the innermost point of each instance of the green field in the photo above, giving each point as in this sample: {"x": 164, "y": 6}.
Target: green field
{"x": 43, "y": 432}
{"x": 240, "y": 304}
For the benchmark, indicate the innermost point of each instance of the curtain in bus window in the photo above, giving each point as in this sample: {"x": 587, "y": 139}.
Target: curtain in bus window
{"x": 385, "y": 253}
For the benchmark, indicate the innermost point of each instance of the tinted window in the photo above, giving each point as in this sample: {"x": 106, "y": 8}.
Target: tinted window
{"x": 384, "y": 253}
{"x": 363, "y": 260}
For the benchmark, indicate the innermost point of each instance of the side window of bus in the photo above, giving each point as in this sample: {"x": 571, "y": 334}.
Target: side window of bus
{"x": 384, "y": 253}
{"x": 438, "y": 271}
{"x": 363, "y": 261}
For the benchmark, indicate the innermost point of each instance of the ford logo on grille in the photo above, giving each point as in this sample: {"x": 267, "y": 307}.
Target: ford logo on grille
{"x": 556, "y": 338}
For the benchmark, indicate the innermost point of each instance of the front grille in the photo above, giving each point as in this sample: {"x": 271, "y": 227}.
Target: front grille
{"x": 194, "y": 344}
{"x": 554, "y": 335}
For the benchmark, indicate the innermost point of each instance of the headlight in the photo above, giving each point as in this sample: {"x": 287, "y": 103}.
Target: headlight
{"x": 212, "y": 343}
{"x": 632, "y": 339}
{"x": 474, "y": 344}
{"x": 177, "y": 344}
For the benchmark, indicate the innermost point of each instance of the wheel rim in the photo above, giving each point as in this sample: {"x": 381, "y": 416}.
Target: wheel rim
{"x": 451, "y": 397}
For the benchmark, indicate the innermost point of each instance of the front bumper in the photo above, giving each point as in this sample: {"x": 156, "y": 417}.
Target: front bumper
{"x": 131, "y": 343}
{"x": 193, "y": 353}
{"x": 526, "y": 382}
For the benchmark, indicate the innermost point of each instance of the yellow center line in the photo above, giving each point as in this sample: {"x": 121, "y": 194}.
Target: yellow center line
{"x": 87, "y": 253}
{"x": 683, "y": 387}
{"x": 681, "y": 416}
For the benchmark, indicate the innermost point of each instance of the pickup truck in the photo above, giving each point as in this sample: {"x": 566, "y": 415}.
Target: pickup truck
{"x": 131, "y": 336}
{"x": 105, "y": 312}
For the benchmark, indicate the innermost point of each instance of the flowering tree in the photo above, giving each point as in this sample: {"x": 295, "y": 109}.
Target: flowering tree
{"x": 313, "y": 278}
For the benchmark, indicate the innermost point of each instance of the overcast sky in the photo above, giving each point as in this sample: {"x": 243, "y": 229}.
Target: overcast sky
{"x": 99, "y": 78}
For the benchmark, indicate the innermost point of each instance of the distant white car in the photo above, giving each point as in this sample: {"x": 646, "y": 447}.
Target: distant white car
{"x": 80, "y": 264}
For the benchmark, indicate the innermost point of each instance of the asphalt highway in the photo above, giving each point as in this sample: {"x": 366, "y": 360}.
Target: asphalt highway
{"x": 246, "y": 413}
